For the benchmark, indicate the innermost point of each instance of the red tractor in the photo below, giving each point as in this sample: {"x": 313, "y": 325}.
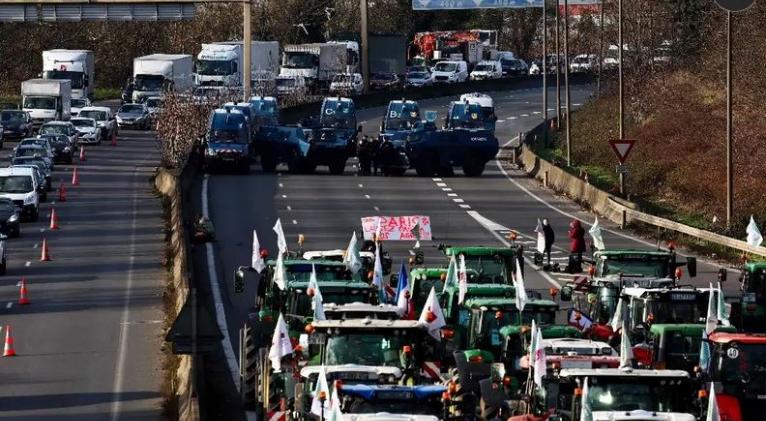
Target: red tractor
{"x": 738, "y": 369}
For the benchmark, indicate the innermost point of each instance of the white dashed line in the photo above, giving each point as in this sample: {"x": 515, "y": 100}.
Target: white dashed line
{"x": 458, "y": 200}
{"x": 28, "y": 264}
{"x": 437, "y": 179}
{"x": 284, "y": 196}
{"x": 536, "y": 112}
{"x": 42, "y": 229}
{"x": 281, "y": 185}
{"x": 377, "y": 209}
{"x": 289, "y": 208}
{"x": 512, "y": 118}
{"x": 464, "y": 206}
{"x": 446, "y": 189}
{"x": 501, "y": 121}
{"x": 525, "y": 115}
{"x": 366, "y": 196}
{"x": 441, "y": 184}
{"x": 9, "y": 305}
{"x": 36, "y": 245}
{"x": 295, "y": 222}
{"x": 451, "y": 194}
{"x": 577, "y": 105}
{"x": 361, "y": 186}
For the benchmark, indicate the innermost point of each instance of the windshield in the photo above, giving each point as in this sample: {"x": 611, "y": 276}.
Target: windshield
{"x": 445, "y": 67}
{"x": 627, "y": 394}
{"x": 302, "y": 272}
{"x": 228, "y": 136}
{"x": 39, "y": 103}
{"x": 299, "y": 60}
{"x": 490, "y": 269}
{"x": 28, "y": 152}
{"x": 365, "y": 348}
{"x": 83, "y": 123}
{"x": 743, "y": 364}
{"x": 340, "y": 115}
{"x": 655, "y": 267}
{"x": 131, "y": 109}
{"x": 54, "y": 129}
{"x": 402, "y": 117}
{"x": 96, "y": 115}
{"x": 755, "y": 282}
{"x": 674, "y": 311}
{"x": 286, "y": 82}
{"x": 411, "y": 407}
{"x": 216, "y": 67}
{"x": 153, "y": 102}
{"x": 494, "y": 319}
{"x": 469, "y": 117}
{"x": 149, "y": 83}
{"x": 16, "y": 184}
{"x": 418, "y": 75}
{"x": 12, "y": 117}
{"x": 79, "y": 103}
{"x": 484, "y": 68}
{"x": 75, "y": 77}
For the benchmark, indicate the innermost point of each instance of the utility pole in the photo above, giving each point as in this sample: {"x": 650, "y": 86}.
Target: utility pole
{"x": 566, "y": 83}
{"x": 545, "y": 71}
{"x": 600, "y": 49}
{"x": 365, "y": 46}
{"x": 558, "y": 68}
{"x": 247, "y": 42}
{"x": 621, "y": 83}
{"x": 729, "y": 152}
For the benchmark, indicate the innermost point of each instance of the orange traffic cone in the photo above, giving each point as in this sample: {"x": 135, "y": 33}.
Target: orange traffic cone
{"x": 44, "y": 254}
{"x": 62, "y": 192}
{"x": 114, "y": 138}
{"x": 82, "y": 153}
{"x": 75, "y": 177}
{"x": 23, "y": 300}
{"x": 54, "y": 220}
{"x": 8, "y": 351}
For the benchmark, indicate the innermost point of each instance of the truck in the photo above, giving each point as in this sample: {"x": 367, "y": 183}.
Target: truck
{"x": 221, "y": 63}
{"x": 157, "y": 73}
{"x": 316, "y": 64}
{"x": 470, "y": 45}
{"x": 46, "y": 100}
{"x": 77, "y": 66}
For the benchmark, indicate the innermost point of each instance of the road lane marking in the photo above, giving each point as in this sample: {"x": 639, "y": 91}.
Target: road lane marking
{"x": 295, "y": 222}
{"x": 9, "y": 305}
{"x": 436, "y": 179}
{"x": 28, "y": 264}
{"x": 458, "y": 200}
{"x": 366, "y": 196}
{"x": 281, "y": 185}
{"x": 451, "y": 194}
{"x": 377, "y": 209}
{"x": 284, "y": 196}
{"x": 525, "y": 115}
{"x": 289, "y": 208}
{"x": 512, "y": 118}
{"x": 36, "y": 245}
{"x": 464, "y": 206}
{"x": 446, "y": 189}
{"x": 441, "y": 184}
{"x": 361, "y": 186}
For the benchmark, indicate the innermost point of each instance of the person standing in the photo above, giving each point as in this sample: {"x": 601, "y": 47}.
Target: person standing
{"x": 576, "y": 239}
{"x": 550, "y": 237}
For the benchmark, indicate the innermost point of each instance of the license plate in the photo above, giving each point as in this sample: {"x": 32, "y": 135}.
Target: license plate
{"x": 576, "y": 364}
{"x": 761, "y": 397}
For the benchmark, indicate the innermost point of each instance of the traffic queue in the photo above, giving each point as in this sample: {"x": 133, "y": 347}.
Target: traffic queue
{"x": 336, "y": 334}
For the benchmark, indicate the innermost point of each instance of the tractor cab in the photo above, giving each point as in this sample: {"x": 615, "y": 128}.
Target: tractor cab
{"x": 676, "y": 346}
{"x": 573, "y": 352}
{"x": 422, "y": 280}
{"x": 390, "y": 402}
{"x": 683, "y": 305}
{"x": 493, "y": 265}
{"x": 753, "y": 288}
{"x": 738, "y": 365}
{"x": 358, "y": 310}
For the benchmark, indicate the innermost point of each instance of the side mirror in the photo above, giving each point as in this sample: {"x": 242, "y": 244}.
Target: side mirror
{"x": 566, "y": 293}
{"x": 691, "y": 266}
{"x": 239, "y": 281}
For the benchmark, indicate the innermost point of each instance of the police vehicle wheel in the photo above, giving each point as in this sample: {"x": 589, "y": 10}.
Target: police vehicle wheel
{"x": 473, "y": 169}
{"x": 337, "y": 168}
{"x": 268, "y": 163}
{"x": 446, "y": 171}
{"x": 424, "y": 170}
{"x": 397, "y": 172}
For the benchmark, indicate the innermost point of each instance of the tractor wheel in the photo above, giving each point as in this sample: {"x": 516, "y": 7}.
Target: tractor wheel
{"x": 249, "y": 362}
{"x": 427, "y": 165}
{"x": 473, "y": 168}
{"x": 337, "y": 167}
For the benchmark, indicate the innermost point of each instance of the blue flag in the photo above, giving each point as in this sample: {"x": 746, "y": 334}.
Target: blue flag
{"x": 403, "y": 284}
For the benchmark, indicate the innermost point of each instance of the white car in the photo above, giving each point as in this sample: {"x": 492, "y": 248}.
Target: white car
{"x": 347, "y": 83}
{"x": 584, "y": 63}
{"x": 78, "y": 104}
{"x": 450, "y": 72}
{"x": 20, "y": 185}
{"x": 88, "y": 131}
{"x": 104, "y": 118}
{"x": 487, "y": 70}
{"x": 60, "y": 127}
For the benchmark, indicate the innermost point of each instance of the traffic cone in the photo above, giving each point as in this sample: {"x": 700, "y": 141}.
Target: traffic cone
{"x": 62, "y": 192}
{"x": 82, "y": 153}
{"x": 54, "y": 220}
{"x": 8, "y": 351}
{"x": 75, "y": 177}
{"x": 44, "y": 254}
{"x": 114, "y": 138}
{"x": 23, "y": 300}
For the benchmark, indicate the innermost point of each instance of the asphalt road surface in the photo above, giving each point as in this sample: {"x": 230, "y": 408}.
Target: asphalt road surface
{"x": 88, "y": 344}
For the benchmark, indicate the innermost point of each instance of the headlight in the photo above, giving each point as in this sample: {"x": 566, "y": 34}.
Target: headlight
{"x": 119, "y": 119}
{"x": 29, "y": 199}
{"x": 13, "y": 218}
{"x": 67, "y": 149}
{"x": 211, "y": 152}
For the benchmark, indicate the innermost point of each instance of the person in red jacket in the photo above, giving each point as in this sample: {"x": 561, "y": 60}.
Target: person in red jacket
{"x": 576, "y": 239}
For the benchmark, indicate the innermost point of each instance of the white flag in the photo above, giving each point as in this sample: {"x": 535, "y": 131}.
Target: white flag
{"x": 377, "y": 273}
{"x": 521, "y": 291}
{"x": 532, "y": 343}
{"x": 540, "y": 237}
{"x": 754, "y": 237}
{"x": 586, "y": 413}
{"x": 617, "y": 319}
{"x": 711, "y": 320}
{"x": 280, "y": 273}
{"x": 318, "y": 308}
{"x": 313, "y": 284}
{"x": 540, "y": 363}
{"x": 723, "y": 310}
{"x": 281, "y": 240}
{"x": 318, "y": 407}
{"x": 626, "y": 350}
{"x": 452, "y": 279}
{"x": 256, "y": 261}
{"x": 595, "y": 233}
{"x": 280, "y": 344}
{"x": 351, "y": 259}
{"x": 712, "y": 406}
{"x": 432, "y": 316}
{"x": 462, "y": 280}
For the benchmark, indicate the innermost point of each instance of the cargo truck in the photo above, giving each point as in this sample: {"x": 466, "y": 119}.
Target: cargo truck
{"x": 221, "y": 63}
{"x": 158, "y": 73}
{"x": 77, "y": 66}
{"x": 316, "y": 64}
{"x": 388, "y": 54}
{"x": 46, "y": 99}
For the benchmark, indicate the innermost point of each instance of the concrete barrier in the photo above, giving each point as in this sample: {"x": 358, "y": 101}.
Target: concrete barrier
{"x": 168, "y": 183}
{"x": 608, "y": 206}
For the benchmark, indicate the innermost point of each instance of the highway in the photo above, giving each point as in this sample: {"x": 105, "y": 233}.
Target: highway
{"x": 88, "y": 344}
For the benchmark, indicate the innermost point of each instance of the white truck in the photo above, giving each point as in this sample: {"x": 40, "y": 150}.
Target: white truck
{"x": 157, "y": 73}
{"x": 221, "y": 63}
{"x": 77, "y": 66}
{"x": 46, "y": 100}
{"x": 317, "y": 64}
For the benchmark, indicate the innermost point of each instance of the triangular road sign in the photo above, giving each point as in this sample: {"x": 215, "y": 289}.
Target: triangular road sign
{"x": 622, "y": 148}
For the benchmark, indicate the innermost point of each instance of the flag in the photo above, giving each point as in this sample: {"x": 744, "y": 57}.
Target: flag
{"x": 452, "y": 277}
{"x": 626, "y": 350}
{"x": 579, "y": 320}
{"x": 313, "y": 283}
{"x": 540, "y": 237}
{"x": 532, "y": 343}
{"x": 521, "y": 291}
{"x": 318, "y": 308}
{"x": 378, "y": 228}
{"x": 462, "y": 275}
{"x": 432, "y": 316}
{"x": 704, "y": 353}
{"x": 256, "y": 260}
{"x": 595, "y": 233}
{"x": 539, "y": 364}
{"x": 318, "y": 407}
{"x": 280, "y": 273}
{"x": 618, "y": 318}
{"x": 377, "y": 276}
{"x": 586, "y": 412}
{"x": 711, "y": 321}
{"x": 416, "y": 233}
{"x": 336, "y": 414}
{"x": 281, "y": 240}
{"x": 723, "y": 310}
{"x": 351, "y": 258}
{"x": 402, "y": 288}
{"x": 712, "y": 406}
{"x": 754, "y": 237}
{"x": 280, "y": 344}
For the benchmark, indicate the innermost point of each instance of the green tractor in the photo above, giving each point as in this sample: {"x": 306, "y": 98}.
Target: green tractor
{"x": 677, "y": 346}
{"x": 754, "y": 297}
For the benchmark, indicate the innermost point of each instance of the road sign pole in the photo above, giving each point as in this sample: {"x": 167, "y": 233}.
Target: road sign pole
{"x": 558, "y": 68}
{"x": 622, "y": 84}
{"x": 729, "y": 157}
{"x": 566, "y": 83}
{"x": 600, "y": 49}
{"x": 365, "y": 46}
{"x": 544, "y": 72}
{"x": 247, "y": 42}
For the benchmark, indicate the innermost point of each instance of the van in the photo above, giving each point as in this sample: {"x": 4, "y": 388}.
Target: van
{"x": 20, "y": 185}
{"x": 487, "y": 70}
{"x": 452, "y": 71}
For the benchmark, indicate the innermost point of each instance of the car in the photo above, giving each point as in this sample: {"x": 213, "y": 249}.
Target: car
{"x": 105, "y": 119}
{"x": 60, "y": 127}
{"x": 347, "y": 83}
{"x": 154, "y": 106}
{"x": 41, "y": 141}
{"x": 385, "y": 81}
{"x": 20, "y": 186}
{"x": 42, "y": 190}
{"x": 514, "y": 67}
{"x": 134, "y": 116}
{"x": 32, "y": 150}
{"x": 78, "y": 104}
{"x": 16, "y": 124}
{"x": 88, "y": 131}
{"x": 63, "y": 149}
{"x": 452, "y": 71}
{"x": 9, "y": 219}
{"x": 584, "y": 63}
{"x": 41, "y": 164}
{"x": 418, "y": 78}
{"x": 487, "y": 70}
